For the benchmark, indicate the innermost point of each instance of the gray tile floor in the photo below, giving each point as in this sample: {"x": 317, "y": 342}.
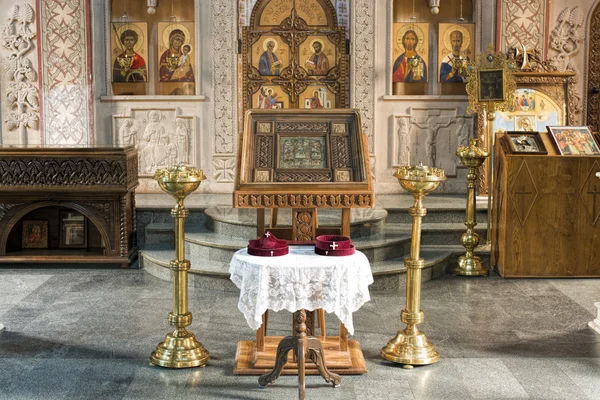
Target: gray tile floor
{"x": 88, "y": 334}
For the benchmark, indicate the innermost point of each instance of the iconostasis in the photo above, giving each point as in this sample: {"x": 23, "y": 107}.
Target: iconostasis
{"x": 294, "y": 56}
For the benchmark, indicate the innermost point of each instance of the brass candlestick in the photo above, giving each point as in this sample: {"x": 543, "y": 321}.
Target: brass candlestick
{"x": 410, "y": 346}
{"x": 180, "y": 349}
{"x": 469, "y": 264}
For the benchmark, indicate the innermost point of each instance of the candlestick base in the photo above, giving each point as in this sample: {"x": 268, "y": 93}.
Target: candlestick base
{"x": 410, "y": 348}
{"x": 470, "y": 267}
{"x": 180, "y": 352}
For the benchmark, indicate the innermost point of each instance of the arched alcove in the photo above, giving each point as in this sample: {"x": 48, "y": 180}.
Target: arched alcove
{"x": 49, "y": 211}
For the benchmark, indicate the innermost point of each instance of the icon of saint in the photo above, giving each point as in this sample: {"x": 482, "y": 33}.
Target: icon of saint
{"x": 403, "y": 71}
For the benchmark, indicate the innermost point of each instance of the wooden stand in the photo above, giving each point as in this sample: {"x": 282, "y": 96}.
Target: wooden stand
{"x": 305, "y": 226}
{"x": 546, "y": 214}
{"x": 341, "y": 355}
{"x": 304, "y": 347}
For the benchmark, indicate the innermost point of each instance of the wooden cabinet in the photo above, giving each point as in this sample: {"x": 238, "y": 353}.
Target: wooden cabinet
{"x": 49, "y": 184}
{"x": 546, "y": 213}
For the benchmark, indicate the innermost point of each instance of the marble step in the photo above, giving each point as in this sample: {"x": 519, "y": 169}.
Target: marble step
{"x": 439, "y": 234}
{"x": 211, "y": 275}
{"x": 387, "y": 275}
{"x": 401, "y": 216}
{"x": 160, "y": 233}
{"x": 241, "y": 222}
{"x": 441, "y": 208}
{"x": 439, "y": 260}
{"x": 203, "y": 244}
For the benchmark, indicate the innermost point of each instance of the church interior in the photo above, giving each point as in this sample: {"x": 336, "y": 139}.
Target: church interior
{"x": 264, "y": 199}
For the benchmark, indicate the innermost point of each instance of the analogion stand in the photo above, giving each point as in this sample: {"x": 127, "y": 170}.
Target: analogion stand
{"x": 302, "y": 271}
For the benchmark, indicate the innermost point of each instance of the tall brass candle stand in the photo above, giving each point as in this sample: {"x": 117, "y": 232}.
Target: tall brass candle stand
{"x": 469, "y": 264}
{"x": 411, "y": 346}
{"x": 180, "y": 349}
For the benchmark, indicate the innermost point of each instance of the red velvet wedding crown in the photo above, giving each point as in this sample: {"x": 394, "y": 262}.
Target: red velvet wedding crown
{"x": 268, "y": 246}
{"x": 334, "y": 245}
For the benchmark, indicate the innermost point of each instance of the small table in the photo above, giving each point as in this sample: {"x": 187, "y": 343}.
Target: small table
{"x": 296, "y": 282}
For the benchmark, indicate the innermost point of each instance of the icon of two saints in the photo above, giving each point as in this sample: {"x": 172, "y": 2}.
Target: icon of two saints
{"x": 411, "y": 65}
{"x": 175, "y": 63}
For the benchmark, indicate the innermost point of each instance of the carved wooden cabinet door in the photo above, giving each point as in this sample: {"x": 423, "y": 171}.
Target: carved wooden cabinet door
{"x": 294, "y": 56}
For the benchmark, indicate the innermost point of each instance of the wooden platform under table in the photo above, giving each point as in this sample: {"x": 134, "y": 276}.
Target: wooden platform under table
{"x": 249, "y": 361}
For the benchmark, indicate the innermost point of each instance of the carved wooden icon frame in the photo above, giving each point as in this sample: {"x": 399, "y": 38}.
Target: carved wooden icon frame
{"x": 281, "y": 51}
{"x": 525, "y": 142}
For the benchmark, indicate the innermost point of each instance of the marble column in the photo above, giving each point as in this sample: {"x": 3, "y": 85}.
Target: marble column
{"x": 595, "y": 324}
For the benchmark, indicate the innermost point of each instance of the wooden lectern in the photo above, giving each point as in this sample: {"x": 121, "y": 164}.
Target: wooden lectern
{"x": 304, "y": 160}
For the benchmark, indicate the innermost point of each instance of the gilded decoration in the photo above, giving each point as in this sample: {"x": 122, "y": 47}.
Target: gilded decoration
{"x": 489, "y": 92}
{"x": 593, "y": 70}
{"x": 294, "y": 55}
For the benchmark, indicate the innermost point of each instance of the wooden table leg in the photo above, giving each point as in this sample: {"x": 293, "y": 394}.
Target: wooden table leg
{"x": 260, "y": 222}
{"x": 346, "y": 222}
{"x": 321, "y": 319}
{"x": 304, "y": 346}
{"x": 261, "y": 332}
{"x": 274, "y": 214}
{"x": 343, "y": 338}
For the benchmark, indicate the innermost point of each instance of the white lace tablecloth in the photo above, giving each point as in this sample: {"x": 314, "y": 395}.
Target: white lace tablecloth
{"x": 301, "y": 279}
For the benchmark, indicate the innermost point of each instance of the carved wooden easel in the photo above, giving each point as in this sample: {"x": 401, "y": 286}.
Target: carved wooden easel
{"x": 267, "y": 179}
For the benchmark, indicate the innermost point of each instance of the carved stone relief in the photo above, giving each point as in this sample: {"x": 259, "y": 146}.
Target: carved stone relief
{"x": 565, "y": 42}
{"x": 522, "y": 22}
{"x": 223, "y": 40}
{"x": 430, "y": 136}
{"x": 362, "y": 72}
{"x": 21, "y": 93}
{"x": 66, "y": 72}
{"x": 565, "y": 39}
{"x": 223, "y": 169}
{"x": 162, "y": 137}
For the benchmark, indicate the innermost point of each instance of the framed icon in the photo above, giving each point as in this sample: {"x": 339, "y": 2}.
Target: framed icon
{"x": 574, "y": 140}
{"x": 525, "y": 142}
{"x": 73, "y": 230}
{"x": 410, "y": 52}
{"x": 35, "y": 234}
{"x": 491, "y": 85}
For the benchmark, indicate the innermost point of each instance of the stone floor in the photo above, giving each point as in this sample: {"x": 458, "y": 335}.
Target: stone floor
{"x": 87, "y": 334}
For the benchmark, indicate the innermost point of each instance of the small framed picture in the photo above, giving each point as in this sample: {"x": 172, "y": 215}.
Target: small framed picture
{"x": 525, "y": 142}
{"x": 574, "y": 140}
{"x": 491, "y": 85}
{"x": 73, "y": 230}
{"x": 35, "y": 234}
